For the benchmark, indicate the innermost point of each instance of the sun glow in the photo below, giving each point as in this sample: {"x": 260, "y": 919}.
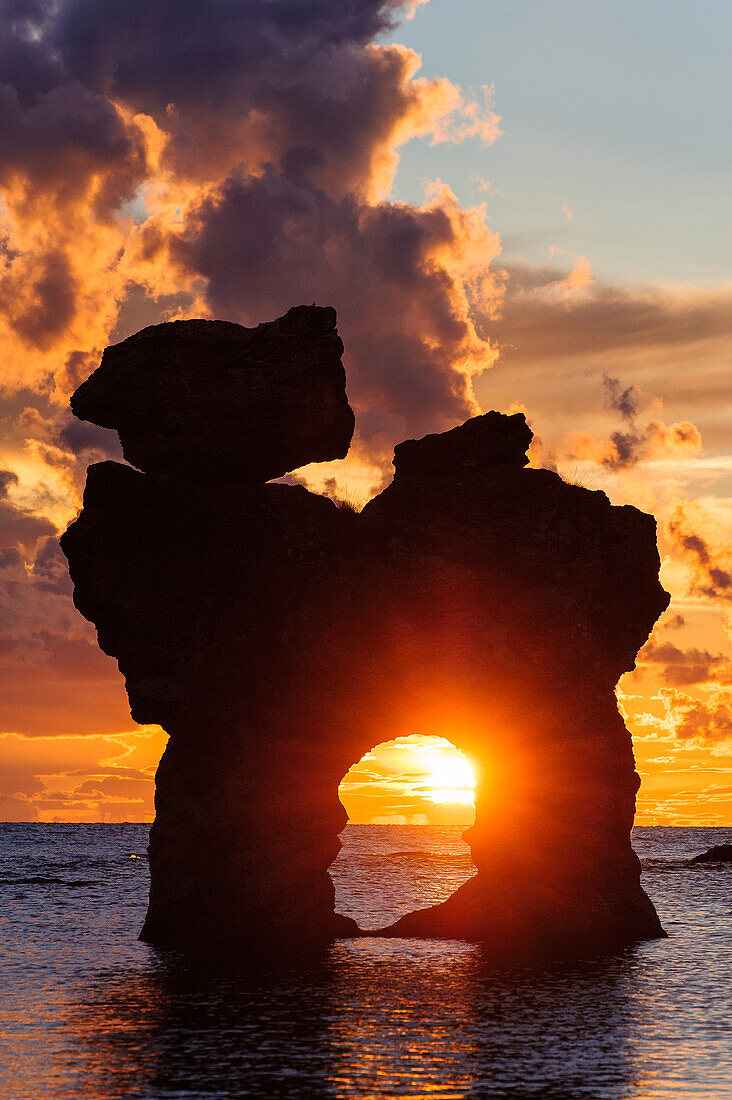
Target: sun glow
{"x": 415, "y": 780}
{"x": 449, "y": 772}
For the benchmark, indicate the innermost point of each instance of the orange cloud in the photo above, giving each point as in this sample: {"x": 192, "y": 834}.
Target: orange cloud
{"x": 577, "y": 279}
{"x": 239, "y": 169}
{"x": 472, "y": 117}
{"x": 711, "y": 575}
{"x": 80, "y": 778}
{"x": 709, "y": 720}
{"x": 236, "y": 171}
{"x": 624, "y": 449}
{"x": 686, "y": 666}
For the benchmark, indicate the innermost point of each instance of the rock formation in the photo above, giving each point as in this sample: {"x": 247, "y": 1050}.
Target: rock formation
{"x": 213, "y": 401}
{"x": 719, "y": 853}
{"x": 277, "y": 638}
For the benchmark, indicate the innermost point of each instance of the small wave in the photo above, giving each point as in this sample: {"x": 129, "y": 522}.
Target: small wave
{"x": 417, "y": 856}
{"x": 680, "y": 865}
{"x": 651, "y": 864}
{"x": 47, "y": 880}
{"x": 430, "y": 855}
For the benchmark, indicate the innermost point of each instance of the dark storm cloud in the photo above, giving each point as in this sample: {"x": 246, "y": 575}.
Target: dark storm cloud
{"x": 21, "y": 529}
{"x": 7, "y": 478}
{"x": 626, "y": 401}
{"x": 263, "y": 243}
{"x": 50, "y": 569}
{"x": 56, "y": 130}
{"x": 294, "y": 72}
{"x": 188, "y": 53}
{"x": 711, "y": 577}
{"x": 291, "y": 115}
{"x": 296, "y": 220}
{"x": 59, "y": 139}
{"x": 74, "y": 439}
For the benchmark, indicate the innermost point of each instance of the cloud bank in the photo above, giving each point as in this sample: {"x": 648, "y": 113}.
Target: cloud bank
{"x": 234, "y": 158}
{"x": 173, "y": 158}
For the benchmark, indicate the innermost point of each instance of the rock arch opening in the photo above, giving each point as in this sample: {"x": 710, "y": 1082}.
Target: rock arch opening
{"x": 409, "y": 801}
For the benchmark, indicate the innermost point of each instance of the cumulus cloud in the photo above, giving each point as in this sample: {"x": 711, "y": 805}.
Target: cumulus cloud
{"x": 626, "y": 448}
{"x": 250, "y": 81}
{"x": 577, "y": 279}
{"x": 70, "y": 158}
{"x": 266, "y": 138}
{"x": 634, "y": 443}
{"x": 397, "y": 271}
{"x": 706, "y": 721}
{"x": 236, "y": 169}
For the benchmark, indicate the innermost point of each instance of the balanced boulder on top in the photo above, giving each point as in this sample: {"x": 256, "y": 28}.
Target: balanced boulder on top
{"x": 214, "y": 402}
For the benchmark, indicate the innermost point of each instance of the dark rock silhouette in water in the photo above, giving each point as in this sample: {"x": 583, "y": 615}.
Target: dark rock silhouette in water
{"x": 720, "y": 853}
{"x": 277, "y": 639}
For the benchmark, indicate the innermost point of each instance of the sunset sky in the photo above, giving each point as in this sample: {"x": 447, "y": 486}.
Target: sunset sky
{"x": 512, "y": 205}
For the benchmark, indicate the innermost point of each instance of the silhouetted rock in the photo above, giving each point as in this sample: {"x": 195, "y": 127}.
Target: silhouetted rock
{"x": 278, "y": 639}
{"x": 215, "y": 402}
{"x": 488, "y": 440}
{"x": 720, "y": 853}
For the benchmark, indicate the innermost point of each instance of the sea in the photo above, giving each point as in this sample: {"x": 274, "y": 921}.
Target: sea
{"x": 87, "y": 1011}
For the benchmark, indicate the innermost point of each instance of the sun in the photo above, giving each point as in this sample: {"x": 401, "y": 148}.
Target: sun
{"x": 448, "y": 774}
{"x": 417, "y": 779}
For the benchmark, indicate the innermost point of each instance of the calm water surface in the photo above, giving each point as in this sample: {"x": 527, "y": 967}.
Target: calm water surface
{"x": 87, "y": 1011}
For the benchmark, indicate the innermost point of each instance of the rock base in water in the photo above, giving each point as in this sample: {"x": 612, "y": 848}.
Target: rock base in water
{"x": 720, "y": 853}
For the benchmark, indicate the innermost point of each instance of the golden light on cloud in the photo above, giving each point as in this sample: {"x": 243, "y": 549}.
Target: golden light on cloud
{"x": 411, "y": 780}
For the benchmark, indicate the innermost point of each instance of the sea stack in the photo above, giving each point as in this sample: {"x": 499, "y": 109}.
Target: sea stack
{"x": 277, "y": 639}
